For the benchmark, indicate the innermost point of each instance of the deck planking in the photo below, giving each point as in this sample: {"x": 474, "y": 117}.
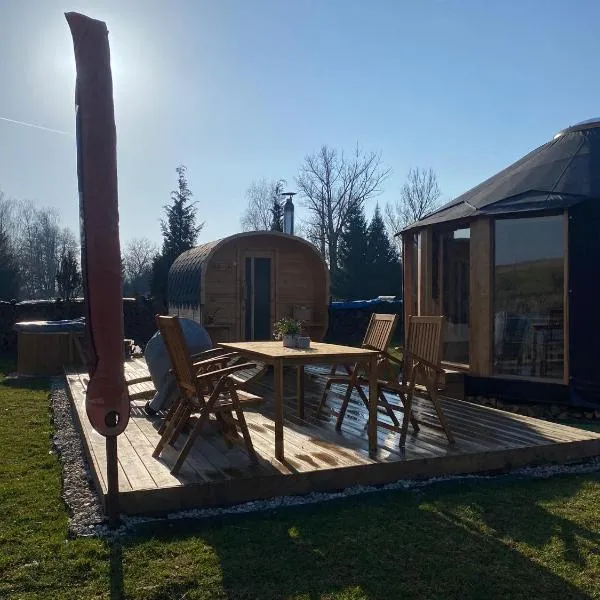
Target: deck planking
{"x": 318, "y": 458}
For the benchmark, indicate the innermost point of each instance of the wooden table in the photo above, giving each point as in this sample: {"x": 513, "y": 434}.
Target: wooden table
{"x": 274, "y": 353}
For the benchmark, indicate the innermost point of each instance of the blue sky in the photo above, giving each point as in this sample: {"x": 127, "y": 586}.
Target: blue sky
{"x": 240, "y": 90}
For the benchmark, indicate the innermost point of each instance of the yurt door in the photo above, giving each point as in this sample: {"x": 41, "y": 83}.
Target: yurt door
{"x": 257, "y": 297}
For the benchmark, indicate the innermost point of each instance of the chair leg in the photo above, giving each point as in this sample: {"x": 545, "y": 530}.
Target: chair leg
{"x": 241, "y": 421}
{"x": 227, "y": 431}
{"x": 388, "y": 409}
{"x": 440, "y": 413}
{"x": 180, "y": 423}
{"x": 362, "y": 394}
{"x": 346, "y": 401}
{"x": 170, "y": 413}
{"x": 413, "y": 419}
{"x": 323, "y": 399}
{"x": 407, "y": 417}
{"x": 325, "y": 392}
{"x": 204, "y": 415}
{"x": 183, "y": 413}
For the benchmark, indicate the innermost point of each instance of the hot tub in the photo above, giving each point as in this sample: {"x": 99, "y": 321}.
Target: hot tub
{"x": 44, "y": 347}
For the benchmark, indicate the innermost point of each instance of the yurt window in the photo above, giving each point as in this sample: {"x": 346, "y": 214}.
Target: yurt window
{"x": 529, "y": 256}
{"x": 455, "y": 260}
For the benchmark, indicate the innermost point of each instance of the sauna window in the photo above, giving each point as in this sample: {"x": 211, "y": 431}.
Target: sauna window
{"x": 454, "y": 265}
{"x": 528, "y": 323}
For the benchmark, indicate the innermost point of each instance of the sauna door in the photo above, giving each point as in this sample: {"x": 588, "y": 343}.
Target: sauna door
{"x": 257, "y": 297}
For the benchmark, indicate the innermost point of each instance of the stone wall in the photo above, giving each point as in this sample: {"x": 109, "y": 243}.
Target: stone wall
{"x": 138, "y": 317}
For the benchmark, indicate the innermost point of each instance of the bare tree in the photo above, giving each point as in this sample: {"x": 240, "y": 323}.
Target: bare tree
{"x": 68, "y": 242}
{"x": 138, "y": 257}
{"x": 261, "y": 197}
{"x": 419, "y": 196}
{"x": 37, "y": 239}
{"x": 7, "y": 213}
{"x": 332, "y": 185}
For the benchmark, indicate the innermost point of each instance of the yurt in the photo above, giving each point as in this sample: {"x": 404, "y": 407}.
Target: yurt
{"x": 514, "y": 266}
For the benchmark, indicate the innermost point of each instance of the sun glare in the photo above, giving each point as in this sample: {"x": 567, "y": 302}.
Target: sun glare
{"x": 130, "y": 65}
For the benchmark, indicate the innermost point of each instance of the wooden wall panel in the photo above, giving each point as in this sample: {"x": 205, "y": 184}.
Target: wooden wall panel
{"x": 408, "y": 278}
{"x": 219, "y": 311}
{"x": 425, "y": 299}
{"x": 481, "y": 297}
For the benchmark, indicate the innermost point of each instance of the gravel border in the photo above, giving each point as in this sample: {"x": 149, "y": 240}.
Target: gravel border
{"x": 86, "y": 512}
{"x": 86, "y": 515}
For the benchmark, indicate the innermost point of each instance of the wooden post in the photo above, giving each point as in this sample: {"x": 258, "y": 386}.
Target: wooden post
{"x": 425, "y": 272}
{"x": 408, "y": 277}
{"x": 112, "y": 476}
{"x": 300, "y": 390}
{"x": 278, "y": 373}
{"x": 373, "y": 384}
{"x": 481, "y": 297}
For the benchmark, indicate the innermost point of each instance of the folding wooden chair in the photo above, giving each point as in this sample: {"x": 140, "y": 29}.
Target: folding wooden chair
{"x": 207, "y": 387}
{"x": 217, "y": 360}
{"x": 421, "y": 369}
{"x": 377, "y": 337}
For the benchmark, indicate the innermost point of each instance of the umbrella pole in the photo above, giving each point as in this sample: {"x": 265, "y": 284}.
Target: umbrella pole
{"x": 112, "y": 476}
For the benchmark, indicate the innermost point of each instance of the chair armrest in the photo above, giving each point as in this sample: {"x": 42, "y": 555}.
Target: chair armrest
{"x": 207, "y": 354}
{"x": 421, "y": 362}
{"x": 418, "y": 359}
{"x": 393, "y": 358}
{"x": 216, "y": 359}
{"x": 225, "y": 371}
{"x": 138, "y": 380}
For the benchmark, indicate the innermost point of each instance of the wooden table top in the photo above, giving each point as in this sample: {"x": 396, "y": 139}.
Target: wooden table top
{"x": 318, "y": 351}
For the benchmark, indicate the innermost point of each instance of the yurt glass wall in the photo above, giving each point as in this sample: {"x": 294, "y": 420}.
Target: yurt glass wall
{"x": 454, "y": 262}
{"x": 529, "y": 267}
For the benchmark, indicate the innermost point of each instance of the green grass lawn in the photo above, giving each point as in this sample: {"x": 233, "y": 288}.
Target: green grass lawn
{"x": 494, "y": 539}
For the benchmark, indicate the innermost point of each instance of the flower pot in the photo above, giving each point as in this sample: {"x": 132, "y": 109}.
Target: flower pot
{"x": 289, "y": 340}
{"x": 303, "y": 342}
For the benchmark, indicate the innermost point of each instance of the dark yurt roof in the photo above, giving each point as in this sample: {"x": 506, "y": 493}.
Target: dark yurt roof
{"x": 558, "y": 174}
{"x": 187, "y": 272}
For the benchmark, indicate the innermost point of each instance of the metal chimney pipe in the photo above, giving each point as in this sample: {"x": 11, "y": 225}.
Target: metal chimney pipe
{"x": 288, "y": 213}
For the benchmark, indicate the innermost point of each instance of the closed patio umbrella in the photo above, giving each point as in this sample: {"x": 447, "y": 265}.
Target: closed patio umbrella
{"x": 107, "y": 404}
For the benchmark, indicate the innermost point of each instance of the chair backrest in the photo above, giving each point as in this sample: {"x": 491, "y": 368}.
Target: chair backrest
{"x": 172, "y": 335}
{"x": 380, "y": 331}
{"x": 424, "y": 339}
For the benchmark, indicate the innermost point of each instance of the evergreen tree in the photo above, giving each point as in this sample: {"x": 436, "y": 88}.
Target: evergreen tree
{"x": 68, "y": 277}
{"x": 383, "y": 263}
{"x": 276, "y": 215}
{"x": 159, "y": 280}
{"x": 9, "y": 271}
{"x": 179, "y": 229}
{"x": 351, "y": 277}
{"x": 180, "y": 232}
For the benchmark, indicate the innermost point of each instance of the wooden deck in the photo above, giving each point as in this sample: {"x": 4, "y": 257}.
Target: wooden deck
{"x": 317, "y": 457}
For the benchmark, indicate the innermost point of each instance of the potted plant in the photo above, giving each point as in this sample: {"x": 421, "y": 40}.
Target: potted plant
{"x": 287, "y": 330}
